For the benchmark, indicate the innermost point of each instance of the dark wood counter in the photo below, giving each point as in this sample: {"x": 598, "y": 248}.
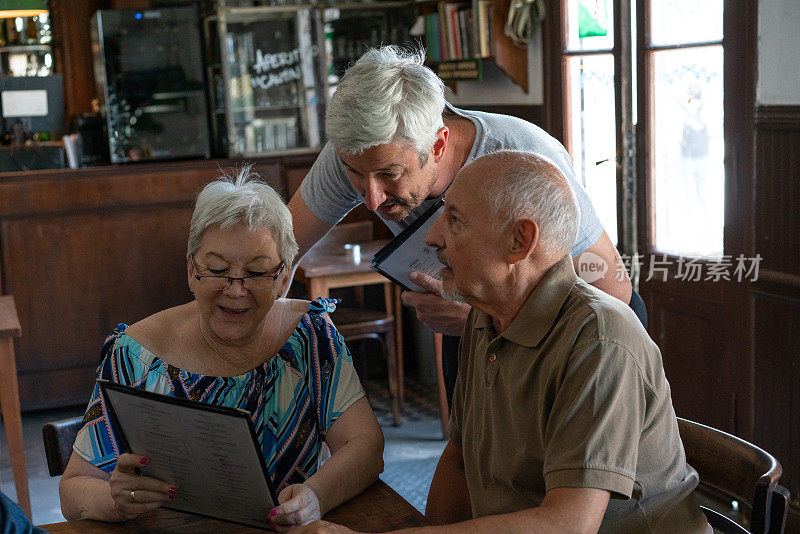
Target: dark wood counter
{"x": 82, "y": 250}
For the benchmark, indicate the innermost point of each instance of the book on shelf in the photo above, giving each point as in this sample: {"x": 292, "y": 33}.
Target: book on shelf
{"x": 483, "y": 28}
{"x": 445, "y": 37}
{"x": 433, "y": 35}
{"x": 465, "y": 31}
{"x": 454, "y": 29}
{"x": 448, "y": 50}
{"x": 459, "y": 30}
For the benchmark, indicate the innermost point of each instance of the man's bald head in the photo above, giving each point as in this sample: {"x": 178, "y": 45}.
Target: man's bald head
{"x": 519, "y": 185}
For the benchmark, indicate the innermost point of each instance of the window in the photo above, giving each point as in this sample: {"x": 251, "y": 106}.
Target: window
{"x": 684, "y": 89}
{"x": 687, "y": 146}
{"x": 589, "y": 99}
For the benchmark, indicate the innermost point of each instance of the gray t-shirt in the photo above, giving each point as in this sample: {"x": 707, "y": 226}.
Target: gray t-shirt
{"x": 329, "y": 194}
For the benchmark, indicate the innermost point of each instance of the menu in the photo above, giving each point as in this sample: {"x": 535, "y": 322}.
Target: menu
{"x": 408, "y": 252}
{"x": 210, "y": 453}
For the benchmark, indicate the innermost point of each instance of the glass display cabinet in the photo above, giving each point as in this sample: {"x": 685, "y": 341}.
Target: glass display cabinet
{"x": 267, "y": 76}
{"x": 271, "y": 69}
{"x": 352, "y": 28}
{"x": 25, "y": 43}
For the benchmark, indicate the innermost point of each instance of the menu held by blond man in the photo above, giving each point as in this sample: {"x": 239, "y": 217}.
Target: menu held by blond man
{"x": 210, "y": 453}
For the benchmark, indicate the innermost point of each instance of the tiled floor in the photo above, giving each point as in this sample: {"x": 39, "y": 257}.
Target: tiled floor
{"x": 413, "y": 449}
{"x": 410, "y": 456}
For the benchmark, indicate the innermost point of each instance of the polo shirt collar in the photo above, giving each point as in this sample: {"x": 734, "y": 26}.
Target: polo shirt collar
{"x": 540, "y": 311}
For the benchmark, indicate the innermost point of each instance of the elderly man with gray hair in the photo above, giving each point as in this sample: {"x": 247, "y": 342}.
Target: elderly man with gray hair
{"x": 562, "y": 419}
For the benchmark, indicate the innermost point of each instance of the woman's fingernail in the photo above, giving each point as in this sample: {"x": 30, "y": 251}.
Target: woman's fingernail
{"x": 273, "y": 512}
{"x": 173, "y": 490}
{"x": 171, "y": 495}
{"x": 143, "y": 461}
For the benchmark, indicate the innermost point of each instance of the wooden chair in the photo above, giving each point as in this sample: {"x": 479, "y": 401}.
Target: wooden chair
{"x": 322, "y": 269}
{"x": 740, "y": 470}
{"x": 59, "y": 436}
{"x": 356, "y": 324}
{"x": 359, "y": 323}
{"x": 9, "y": 399}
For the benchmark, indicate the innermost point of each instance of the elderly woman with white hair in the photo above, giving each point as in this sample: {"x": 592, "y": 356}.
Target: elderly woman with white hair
{"x": 239, "y": 344}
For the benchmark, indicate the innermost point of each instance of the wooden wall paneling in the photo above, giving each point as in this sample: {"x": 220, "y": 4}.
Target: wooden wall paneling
{"x": 553, "y": 28}
{"x": 777, "y": 222}
{"x": 740, "y": 74}
{"x": 85, "y": 272}
{"x": 83, "y": 250}
{"x": 776, "y": 295}
{"x": 688, "y": 332}
{"x": 294, "y": 170}
{"x": 777, "y": 385}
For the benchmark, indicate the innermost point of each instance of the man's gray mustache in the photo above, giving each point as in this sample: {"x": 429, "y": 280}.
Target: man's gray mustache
{"x": 442, "y": 260}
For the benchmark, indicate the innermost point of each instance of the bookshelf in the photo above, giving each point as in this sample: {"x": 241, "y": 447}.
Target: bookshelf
{"x": 483, "y": 21}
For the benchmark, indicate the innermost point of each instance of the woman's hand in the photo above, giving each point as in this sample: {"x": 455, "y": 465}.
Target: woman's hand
{"x": 299, "y": 505}
{"x": 134, "y": 494}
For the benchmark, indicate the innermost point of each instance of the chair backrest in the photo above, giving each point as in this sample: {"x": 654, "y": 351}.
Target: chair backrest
{"x": 740, "y": 469}
{"x": 59, "y": 437}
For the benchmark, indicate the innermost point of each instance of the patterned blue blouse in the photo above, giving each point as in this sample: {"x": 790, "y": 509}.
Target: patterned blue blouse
{"x": 293, "y": 398}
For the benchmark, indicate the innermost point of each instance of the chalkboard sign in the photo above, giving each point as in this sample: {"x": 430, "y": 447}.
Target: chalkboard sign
{"x": 275, "y": 92}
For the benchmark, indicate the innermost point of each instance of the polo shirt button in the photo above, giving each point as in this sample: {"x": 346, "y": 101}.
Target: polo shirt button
{"x": 492, "y": 357}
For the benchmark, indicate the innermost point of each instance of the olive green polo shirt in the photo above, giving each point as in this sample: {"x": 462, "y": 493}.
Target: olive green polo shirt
{"x": 571, "y": 394}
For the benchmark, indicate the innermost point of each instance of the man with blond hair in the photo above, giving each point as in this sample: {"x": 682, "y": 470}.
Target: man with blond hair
{"x": 562, "y": 419}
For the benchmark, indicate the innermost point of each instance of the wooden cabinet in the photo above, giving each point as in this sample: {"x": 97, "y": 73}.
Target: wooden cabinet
{"x": 508, "y": 56}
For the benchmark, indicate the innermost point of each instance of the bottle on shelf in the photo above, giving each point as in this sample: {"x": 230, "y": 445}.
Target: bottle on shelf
{"x": 12, "y": 35}
{"x": 43, "y": 26}
{"x": 31, "y": 32}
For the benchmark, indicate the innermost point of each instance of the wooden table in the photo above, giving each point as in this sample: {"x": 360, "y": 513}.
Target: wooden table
{"x": 326, "y": 268}
{"x": 377, "y": 509}
{"x": 9, "y": 399}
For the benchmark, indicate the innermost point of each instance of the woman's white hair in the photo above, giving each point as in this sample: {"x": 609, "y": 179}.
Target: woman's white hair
{"x": 530, "y": 186}
{"x": 239, "y": 196}
{"x": 387, "y": 96}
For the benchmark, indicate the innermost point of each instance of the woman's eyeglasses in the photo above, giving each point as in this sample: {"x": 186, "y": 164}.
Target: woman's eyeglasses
{"x": 252, "y": 282}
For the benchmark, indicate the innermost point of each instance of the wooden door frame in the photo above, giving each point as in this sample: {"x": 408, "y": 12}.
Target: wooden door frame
{"x": 556, "y": 101}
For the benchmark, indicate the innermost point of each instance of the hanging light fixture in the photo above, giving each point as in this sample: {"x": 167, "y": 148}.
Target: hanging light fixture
{"x": 21, "y": 8}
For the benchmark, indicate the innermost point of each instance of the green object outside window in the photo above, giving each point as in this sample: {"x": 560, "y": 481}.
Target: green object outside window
{"x": 592, "y": 18}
